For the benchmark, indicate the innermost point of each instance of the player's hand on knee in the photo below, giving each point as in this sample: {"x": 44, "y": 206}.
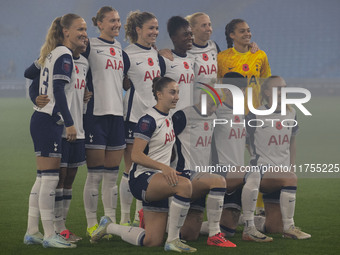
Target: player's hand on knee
{"x": 171, "y": 175}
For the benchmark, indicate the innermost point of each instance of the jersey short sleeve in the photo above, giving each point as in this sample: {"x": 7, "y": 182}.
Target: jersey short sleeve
{"x": 63, "y": 68}
{"x": 145, "y": 127}
{"x": 179, "y": 122}
{"x": 33, "y": 71}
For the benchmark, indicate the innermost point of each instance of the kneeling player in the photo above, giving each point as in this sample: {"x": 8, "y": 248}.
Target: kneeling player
{"x": 193, "y": 145}
{"x": 273, "y": 146}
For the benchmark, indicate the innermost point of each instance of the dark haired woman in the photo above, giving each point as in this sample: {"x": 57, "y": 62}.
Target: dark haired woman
{"x": 151, "y": 178}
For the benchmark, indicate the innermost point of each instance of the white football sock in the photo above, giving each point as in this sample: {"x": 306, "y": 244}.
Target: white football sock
{"x": 125, "y": 199}
{"x": 214, "y": 209}
{"x": 91, "y": 193}
{"x": 204, "y": 228}
{"x": 110, "y": 192}
{"x": 67, "y": 202}
{"x": 132, "y": 235}
{"x": 59, "y": 225}
{"x": 49, "y": 182}
{"x": 33, "y": 206}
{"x": 178, "y": 211}
{"x": 287, "y": 206}
{"x": 249, "y": 197}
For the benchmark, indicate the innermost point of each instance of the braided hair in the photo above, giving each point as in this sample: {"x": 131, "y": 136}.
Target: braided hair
{"x": 230, "y": 28}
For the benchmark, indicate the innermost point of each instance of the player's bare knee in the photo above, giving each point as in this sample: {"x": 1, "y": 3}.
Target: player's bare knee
{"x": 290, "y": 180}
{"x": 218, "y": 181}
{"x": 184, "y": 187}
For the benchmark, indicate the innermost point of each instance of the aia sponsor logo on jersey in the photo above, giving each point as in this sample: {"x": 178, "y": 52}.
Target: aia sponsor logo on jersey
{"x": 80, "y": 84}
{"x": 112, "y": 51}
{"x": 115, "y": 64}
{"x": 186, "y": 65}
{"x": 245, "y": 67}
{"x": 150, "y": 61}
{"x": 203, "y": 141}
{"x": 237, "y": 133}
{"x": 205, "y": 57}
{"x": 169, "y": 137}
{"x": 207, "y": 69}
{"x": 152, "y": 74}
{"x": 278, "y": 140}
{"x": 186, "y": 78}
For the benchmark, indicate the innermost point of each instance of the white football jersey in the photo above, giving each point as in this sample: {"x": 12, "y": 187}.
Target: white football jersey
{"x": 194, "y": 134}
{"x": 270, "y": 142}
{"x": 181, "y": 69}
{"x": 144, "y": 67}
{"x": 58, "y": 66}
{"x": 156, "y": 128}
{"x": 107, "y": 70}
{"x": 77, "y": 105}
{"x": 205, "y": 61}
{"x": 230, "y": 138}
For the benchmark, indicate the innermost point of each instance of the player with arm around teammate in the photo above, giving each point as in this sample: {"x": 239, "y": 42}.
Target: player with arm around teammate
{"x": 73, "y": 153}
{"x": 144, "y": 64}
{"x": 103, "y": 120}
{"x": 181, "y": 68}
{"x": 273, "y": 146}
{"x": 239, "y": 58}
{"x": 56, "y": 81}
{"x": 152, "y": 180}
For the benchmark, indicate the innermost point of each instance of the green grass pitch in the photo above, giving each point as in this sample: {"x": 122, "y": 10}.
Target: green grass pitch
{"x": 317, "y": 209}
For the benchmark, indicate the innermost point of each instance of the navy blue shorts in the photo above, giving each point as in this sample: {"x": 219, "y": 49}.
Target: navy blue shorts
{"x": 73, "y": 153}
{"x": 46, "y": 135}
{"x": 198, "y": 204}
{"x": 138, "y": 187}
{"x": 129, "y": 131}
{"x": 104, "y": 132}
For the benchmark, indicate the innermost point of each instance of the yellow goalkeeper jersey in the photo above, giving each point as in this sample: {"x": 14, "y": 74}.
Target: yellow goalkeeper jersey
{"x": 254, "y": 66}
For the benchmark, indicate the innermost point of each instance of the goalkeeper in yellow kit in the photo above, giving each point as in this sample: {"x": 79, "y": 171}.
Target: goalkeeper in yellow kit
{"x": 238, "y": 58}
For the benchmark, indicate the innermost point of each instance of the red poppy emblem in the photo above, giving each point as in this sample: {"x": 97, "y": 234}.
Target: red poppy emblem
{"x": 112, "y": 51}
{"x": 167, "y": 122}
{"x": 77, "y": 69}
{"x": 205, "y": 57}
{"x": 186, "y": 65}
{"x": 237, "y": 119}
{"x": 206, "y": 126}
{"x": 245, "y": 67}
{"x": 150, "y": 61}
{"x": 278, "y": 125}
